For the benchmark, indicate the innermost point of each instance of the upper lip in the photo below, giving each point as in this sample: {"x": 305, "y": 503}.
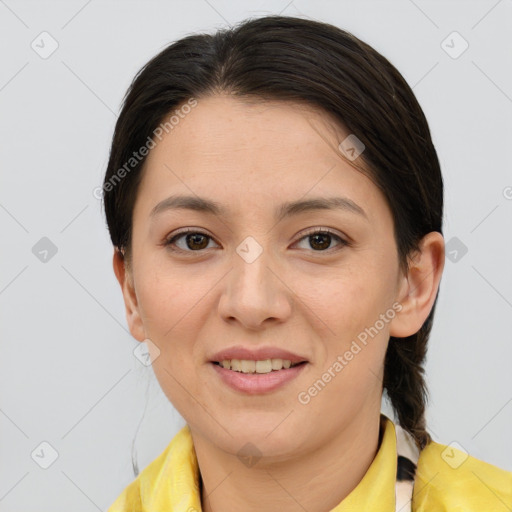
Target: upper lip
{"x": 253, "y": 354}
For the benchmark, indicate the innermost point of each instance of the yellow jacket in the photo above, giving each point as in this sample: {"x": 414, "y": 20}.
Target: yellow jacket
{"x": 447, "y": 480}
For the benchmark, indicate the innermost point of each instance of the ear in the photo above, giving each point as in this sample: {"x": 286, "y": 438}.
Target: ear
{"x": 418, "y": 288}
{"x": 125, "y": 278}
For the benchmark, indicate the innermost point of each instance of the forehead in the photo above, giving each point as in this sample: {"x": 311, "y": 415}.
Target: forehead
{"x": 253, "y": 153}
{"x": 224, "y": 125}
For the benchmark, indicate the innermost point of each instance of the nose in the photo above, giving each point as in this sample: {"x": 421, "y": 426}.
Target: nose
{"x": 255, "y": 294}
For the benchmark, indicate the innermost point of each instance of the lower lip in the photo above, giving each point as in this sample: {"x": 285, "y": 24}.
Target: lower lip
{"x": 257, "y": 383}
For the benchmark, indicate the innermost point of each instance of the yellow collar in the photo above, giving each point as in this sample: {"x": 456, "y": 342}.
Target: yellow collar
{"x": 446, "y": 479}
{"x": 178, "y": 467}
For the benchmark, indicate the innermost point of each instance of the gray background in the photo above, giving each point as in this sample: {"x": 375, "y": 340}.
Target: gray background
{"x": 68, "y": 374}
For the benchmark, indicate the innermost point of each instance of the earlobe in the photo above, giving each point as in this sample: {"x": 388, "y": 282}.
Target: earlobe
{"x": 418, "y": 289}
{"x": 125, "y": 280}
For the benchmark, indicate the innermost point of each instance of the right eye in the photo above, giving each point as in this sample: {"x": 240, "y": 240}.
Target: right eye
{"x": 195, "y": 241}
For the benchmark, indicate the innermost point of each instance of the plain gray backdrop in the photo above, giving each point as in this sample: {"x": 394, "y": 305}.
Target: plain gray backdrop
{"x": 74, "y": 396}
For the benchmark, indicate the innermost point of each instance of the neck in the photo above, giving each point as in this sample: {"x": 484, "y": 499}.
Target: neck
{"x": 315, "y": 481}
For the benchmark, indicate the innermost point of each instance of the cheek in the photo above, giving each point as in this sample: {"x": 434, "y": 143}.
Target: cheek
{"x": 172, "y": 309}
{"x": 347, "y": 311}
{"x": 169, "y": 300}
{"x": 348, "y": 301}
{"x": 175, "y": 306}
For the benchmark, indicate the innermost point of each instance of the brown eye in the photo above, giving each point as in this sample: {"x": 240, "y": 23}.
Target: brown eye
{"x": 194, "y": 241}
{"x": 320, "y": 240}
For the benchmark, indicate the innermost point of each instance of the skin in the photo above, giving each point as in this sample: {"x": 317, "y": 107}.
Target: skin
{"x": 252, "y": 157}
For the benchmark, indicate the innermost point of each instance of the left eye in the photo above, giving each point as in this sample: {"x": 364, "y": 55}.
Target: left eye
{"x": 195, "y": 241}
{"x": 322, "y": 239}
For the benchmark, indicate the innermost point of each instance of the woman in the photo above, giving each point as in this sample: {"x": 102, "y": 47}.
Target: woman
{"x": 275, "y": 203}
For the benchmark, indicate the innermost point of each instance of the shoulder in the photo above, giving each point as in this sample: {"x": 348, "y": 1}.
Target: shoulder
{"x": 449, "y": 479}
{"x": 141, "y": 493}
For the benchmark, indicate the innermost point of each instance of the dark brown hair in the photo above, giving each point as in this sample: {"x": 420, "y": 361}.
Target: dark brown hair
{"x": 293, "y": 59}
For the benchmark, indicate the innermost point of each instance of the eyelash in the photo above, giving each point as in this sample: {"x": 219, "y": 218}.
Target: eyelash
{"x": 313, "y": 231}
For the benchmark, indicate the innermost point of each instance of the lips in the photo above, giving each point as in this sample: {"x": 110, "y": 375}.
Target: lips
{"x": 239, "y": 374}
{"x": 260, "y": 354}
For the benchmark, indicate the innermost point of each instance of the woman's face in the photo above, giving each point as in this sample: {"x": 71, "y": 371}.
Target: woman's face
{"x": 255, "y": 277}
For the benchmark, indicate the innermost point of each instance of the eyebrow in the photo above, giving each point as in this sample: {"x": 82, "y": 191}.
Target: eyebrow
{"x": 288, "y": 209}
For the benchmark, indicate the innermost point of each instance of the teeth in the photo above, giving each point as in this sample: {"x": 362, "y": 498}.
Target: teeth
{"x": 248, "y": 366}
{"x": 277, "y": 364}
{"x": 264, "y": 366}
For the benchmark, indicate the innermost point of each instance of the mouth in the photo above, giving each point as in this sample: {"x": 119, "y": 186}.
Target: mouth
{"x": 263, "y": 366}
{"x": 257, "y": 377}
